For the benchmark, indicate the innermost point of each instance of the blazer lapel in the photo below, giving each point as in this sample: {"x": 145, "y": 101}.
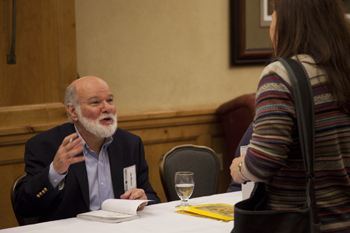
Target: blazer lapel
{"x": 116, "y": 164}
{"x": 79, "y": 169}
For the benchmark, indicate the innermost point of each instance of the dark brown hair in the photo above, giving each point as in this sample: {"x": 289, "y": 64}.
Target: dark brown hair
{"x": 320, "y": 29}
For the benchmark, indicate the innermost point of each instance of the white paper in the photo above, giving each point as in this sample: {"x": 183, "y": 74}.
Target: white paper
{"x": 247, "y": 190}
{"x": 125, "y": 206}
{"x": 248, "y": 187}
{"x": 107, "y": 216}
{"x": 114, "y": 210}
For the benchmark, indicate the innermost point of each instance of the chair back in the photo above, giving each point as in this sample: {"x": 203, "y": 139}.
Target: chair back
{"x": 21, "y": 220}
{"x": 200, "y": 160}
{"x": 236, "y": 116}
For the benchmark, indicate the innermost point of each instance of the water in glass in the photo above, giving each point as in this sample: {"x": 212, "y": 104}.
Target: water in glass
{"x": 184, "y": 185}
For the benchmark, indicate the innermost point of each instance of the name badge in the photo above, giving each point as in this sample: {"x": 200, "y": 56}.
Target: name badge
{"x": 130, "y": 178}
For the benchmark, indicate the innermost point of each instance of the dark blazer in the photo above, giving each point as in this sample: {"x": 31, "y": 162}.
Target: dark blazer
{"x": 52, "y": 204}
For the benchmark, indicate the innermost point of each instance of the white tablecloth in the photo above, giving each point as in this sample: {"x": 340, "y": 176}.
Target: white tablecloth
{"x": 153, "y": 219}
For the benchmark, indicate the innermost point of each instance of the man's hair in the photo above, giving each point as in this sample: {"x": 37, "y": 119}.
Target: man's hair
{"x": 71, "y": 98}
{"x": 320, "y": 29}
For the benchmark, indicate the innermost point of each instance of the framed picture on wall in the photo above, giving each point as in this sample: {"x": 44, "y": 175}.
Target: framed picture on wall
{"x": 250, "y": 42}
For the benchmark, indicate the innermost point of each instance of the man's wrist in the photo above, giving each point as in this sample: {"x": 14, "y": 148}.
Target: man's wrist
{"x": 54, "y": 177}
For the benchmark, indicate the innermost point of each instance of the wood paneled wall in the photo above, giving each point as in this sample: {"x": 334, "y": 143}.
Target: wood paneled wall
{"x": 159, "y": 132}
{"x": 46, "y": 60}
{"x": 32, "y": 89}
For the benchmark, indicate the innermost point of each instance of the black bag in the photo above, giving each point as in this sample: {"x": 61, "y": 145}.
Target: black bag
{"x": 250, "y": 215}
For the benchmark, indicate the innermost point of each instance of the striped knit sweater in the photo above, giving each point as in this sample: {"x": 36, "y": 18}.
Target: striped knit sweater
{"x": 274, "y": 152}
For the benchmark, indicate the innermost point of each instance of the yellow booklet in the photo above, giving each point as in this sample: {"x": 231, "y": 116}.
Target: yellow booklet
{"x": 218, "y": 211}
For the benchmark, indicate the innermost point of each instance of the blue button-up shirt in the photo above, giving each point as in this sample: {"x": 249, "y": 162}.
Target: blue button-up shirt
{"x": 98, "y": 172}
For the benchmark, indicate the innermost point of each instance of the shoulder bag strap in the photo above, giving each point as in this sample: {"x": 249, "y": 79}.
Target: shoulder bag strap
{"x": 304, "y": 108}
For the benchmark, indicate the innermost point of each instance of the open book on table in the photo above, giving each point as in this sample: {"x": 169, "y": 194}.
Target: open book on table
{"x": 218, "y": 211}
{"x": 114, "y": 210}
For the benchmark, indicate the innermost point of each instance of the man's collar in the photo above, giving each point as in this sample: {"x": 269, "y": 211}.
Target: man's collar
{"x": 107, "y": 140}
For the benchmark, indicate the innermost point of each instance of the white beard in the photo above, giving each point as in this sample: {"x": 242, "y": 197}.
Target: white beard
{"x": 94, "y": 126}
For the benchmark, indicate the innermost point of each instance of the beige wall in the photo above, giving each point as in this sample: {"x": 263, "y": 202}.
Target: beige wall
{"x": 161, "y": 55}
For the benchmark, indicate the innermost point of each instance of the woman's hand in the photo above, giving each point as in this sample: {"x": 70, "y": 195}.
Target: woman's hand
{"x": 234, "y": 170}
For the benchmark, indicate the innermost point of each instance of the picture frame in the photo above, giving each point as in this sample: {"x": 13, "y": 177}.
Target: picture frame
{"x": 241, "y": 53}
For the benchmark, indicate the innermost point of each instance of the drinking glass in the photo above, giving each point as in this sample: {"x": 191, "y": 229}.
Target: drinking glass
{"x": 184, "y": 185}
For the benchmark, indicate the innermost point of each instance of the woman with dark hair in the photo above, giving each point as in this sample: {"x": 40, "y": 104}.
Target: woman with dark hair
{"x": 317, "y": 34}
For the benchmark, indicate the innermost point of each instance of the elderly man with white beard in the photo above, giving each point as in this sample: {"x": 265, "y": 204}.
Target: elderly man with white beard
{"x": 74, "y": 167}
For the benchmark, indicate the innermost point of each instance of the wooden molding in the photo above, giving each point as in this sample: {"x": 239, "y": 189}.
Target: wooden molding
{"x": 167, "y": 119}
{"x": 29, "y": 119}
{"x": 25, "y": 119}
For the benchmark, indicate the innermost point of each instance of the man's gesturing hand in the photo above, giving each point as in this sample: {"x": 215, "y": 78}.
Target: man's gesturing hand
{"x": 71, "y": 146}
